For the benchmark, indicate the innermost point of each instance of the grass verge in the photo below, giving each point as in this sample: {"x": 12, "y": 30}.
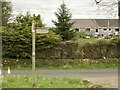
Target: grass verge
{"x": 44, "y": 82}
{"x": 66, "y": 67}
{"x": 61, "y": 64}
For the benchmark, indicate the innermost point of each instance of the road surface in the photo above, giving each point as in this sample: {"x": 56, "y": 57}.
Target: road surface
{"x": 108, "y": 78}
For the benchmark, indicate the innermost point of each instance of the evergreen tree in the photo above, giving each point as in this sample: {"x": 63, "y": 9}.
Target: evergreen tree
{"x": 17, "y": 39}
{"x": 26, "y": 20}
{"x": 63, "y": 24}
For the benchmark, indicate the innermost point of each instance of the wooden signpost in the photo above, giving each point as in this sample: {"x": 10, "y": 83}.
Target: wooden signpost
{"x": 40, "y": 31}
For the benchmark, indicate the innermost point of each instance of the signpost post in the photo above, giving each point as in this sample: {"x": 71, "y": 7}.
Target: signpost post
{"x": 33, "y": 55}
{"x": 33, "y": 51}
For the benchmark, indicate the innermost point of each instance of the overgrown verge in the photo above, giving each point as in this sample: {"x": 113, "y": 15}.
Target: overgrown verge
{"x": 46, "y": 82}
{"x": 64, "y": 64}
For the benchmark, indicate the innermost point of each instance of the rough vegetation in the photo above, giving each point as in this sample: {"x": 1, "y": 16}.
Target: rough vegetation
{"x": 46, "y": 82}
{"x": 61, "y": 64}
{"x": 51, "y": 48}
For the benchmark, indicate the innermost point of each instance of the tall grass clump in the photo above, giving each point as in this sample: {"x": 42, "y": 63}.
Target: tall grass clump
{"x": 43, "y": 82}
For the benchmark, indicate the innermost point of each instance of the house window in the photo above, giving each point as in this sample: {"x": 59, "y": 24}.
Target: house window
{"x": 102, "y": 35}
{"x": 88, "y": 29}
{"x": 109, "y": 29}
{"x": 105, "y": 29}
{"x": 77, "y": 29}
{"x": 96, "y": 30}
{"x": 117, "y": 29}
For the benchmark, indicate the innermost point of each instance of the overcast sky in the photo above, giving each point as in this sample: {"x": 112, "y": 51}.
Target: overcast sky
{"x": 79, "y": 8}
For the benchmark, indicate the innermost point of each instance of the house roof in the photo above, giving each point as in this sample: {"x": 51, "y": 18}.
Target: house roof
{"x": 83, "y": 23}
{"x": 107, "y": 22}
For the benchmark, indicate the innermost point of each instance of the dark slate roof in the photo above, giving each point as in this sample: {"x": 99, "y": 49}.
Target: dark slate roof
{"x": 83, "y": 23}
{"x": 105, "y": 22}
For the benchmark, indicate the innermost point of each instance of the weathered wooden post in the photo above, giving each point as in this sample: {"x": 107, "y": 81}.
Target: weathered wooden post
{"x": 33, "y": 50}
{"x": 33, "y": 55}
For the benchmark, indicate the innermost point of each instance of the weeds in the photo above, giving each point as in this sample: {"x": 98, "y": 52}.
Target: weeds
{"x": 43, "y": 82}
{"x": 64, "y": 64}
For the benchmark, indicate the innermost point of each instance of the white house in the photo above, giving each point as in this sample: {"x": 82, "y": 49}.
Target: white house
{"x": 101, "y": 27}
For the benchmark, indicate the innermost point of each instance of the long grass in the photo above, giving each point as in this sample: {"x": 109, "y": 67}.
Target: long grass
{"x": 67, "y": 67}
{"x": 74, "y": 64}
{"x": 44, "y": 82}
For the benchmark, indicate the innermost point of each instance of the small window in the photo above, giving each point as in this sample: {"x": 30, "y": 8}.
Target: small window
{"x": 109, "y": 29}
{"x": 117, "y": 29}
{"x": 87, "y": 29}
{"x": 77, "y": 29}
{"x": 105, "y": 29}
{"x": 96, "y": 30}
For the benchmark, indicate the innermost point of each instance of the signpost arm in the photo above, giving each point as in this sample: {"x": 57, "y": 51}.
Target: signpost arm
{"x": 33, "y": 56}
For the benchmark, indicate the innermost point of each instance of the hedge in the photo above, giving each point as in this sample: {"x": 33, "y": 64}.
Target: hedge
{"x": 103, "y": 49}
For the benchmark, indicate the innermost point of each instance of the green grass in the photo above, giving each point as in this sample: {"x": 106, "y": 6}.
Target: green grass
{"x": 67, "y": 67}
{"x": 83, "y": 41}
{"x": 64, "y": 64}
{"x": 43, "y": 82}
{"x": 92, "y": 40}
{"x": 81, "y": 67}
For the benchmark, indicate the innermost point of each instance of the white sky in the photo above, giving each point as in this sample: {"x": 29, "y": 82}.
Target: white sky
{"x": 46, "y": 8}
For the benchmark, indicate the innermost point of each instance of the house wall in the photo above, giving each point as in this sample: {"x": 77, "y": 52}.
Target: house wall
{"x": 102, "y": 31}
{"x": 107, "y": 31}
{"x": 99, "y": 24}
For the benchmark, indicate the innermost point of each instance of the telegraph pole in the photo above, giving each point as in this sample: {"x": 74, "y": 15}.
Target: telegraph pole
{"x": 33, "y": 55}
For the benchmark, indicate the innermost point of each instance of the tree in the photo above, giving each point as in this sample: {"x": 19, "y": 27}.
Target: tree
{"x": 81, "y": 34}
{"x": 97, "y": 2}
{"x": 17, "y": 39}
{"x": 108, "y": 7}
{"x": 119, "y": 9}
{"x": 6, "y": 12}
{"x": 26, "y": 20}
{"x": 63, "y": 24}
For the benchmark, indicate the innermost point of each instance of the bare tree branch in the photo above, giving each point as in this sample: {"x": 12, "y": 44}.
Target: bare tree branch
{"x": 107, "y": 7}
{"x": 97, "y": 2}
